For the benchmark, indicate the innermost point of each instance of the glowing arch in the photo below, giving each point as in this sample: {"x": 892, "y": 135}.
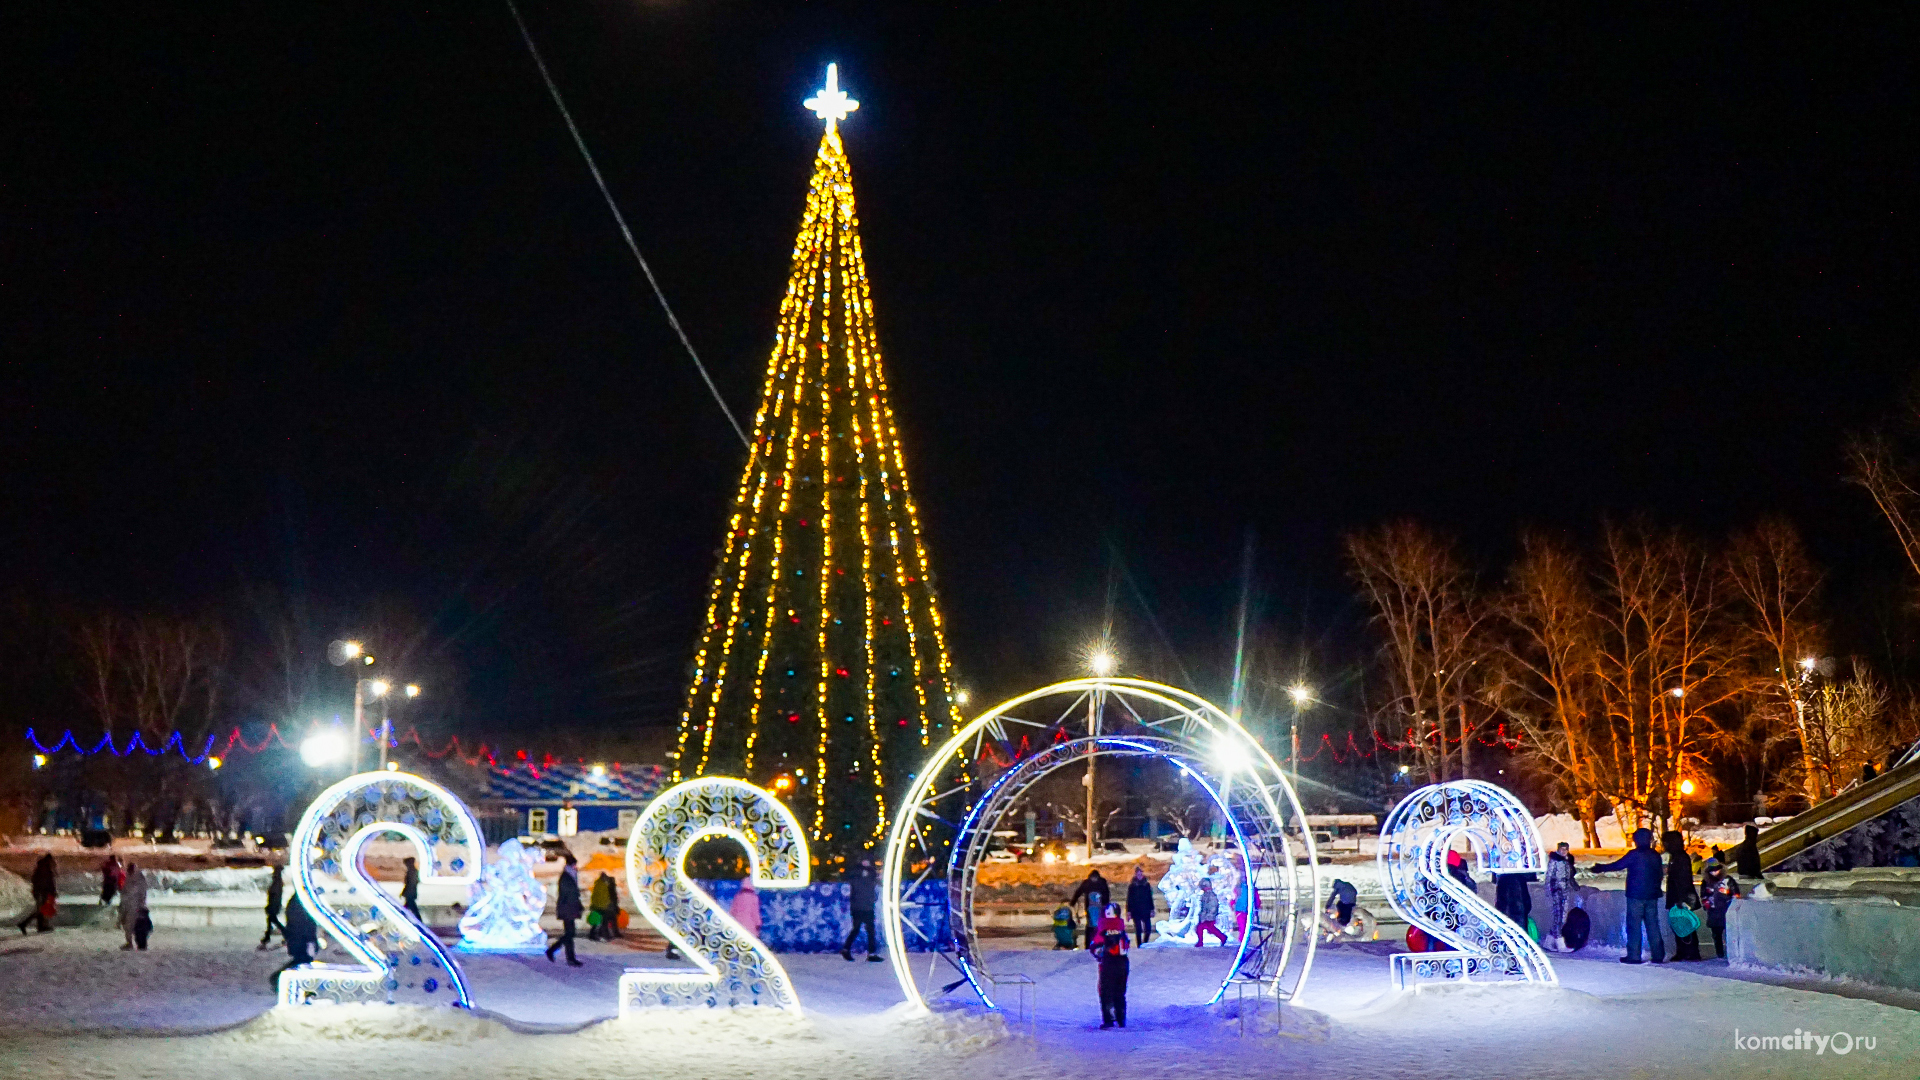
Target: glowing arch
{"x": 938, "y": 831}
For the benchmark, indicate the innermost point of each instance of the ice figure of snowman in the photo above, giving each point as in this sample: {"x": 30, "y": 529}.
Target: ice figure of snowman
{"x": 1181, "y": 884}
{"x": 503, "y": 913}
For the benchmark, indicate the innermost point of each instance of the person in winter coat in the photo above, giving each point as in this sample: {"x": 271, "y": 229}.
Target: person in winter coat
{"x": 606, "y": 901}
{"x": 1746, "y": 854}
{"x": 1680, "y": 892}
{"x": 1642, "y": 865}
{"x": 276, "y": 889}
{"x": 303, "y": 938}
{"x": 134, "y": 921}
{"x": 1209, "y": 915}
{"x": 1718, "y": 891}
{"x": 1512, "y": 898}
{"x": 45, "y": 889}
{"x": 567, "y": 909}
{"x": 1140, "y": 905}
{"x": 1341, "y": 898}
{"x": 1109, "y": 948}
{"x": 1096, "y": 892}
{"x": 410, "y": 889}
{"x": 863, "y": 890}
{"x": 111, "y": 875}
{"x": 1559, "y": 886}
{"x": 1065, "y": 934}
{"x": 745, "y": 908}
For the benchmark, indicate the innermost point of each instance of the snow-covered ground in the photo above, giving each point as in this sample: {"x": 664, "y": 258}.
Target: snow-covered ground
{"x": 70, "y": 1002}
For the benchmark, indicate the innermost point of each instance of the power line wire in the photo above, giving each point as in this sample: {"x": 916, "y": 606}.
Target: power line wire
{"x": 620, "y": 220}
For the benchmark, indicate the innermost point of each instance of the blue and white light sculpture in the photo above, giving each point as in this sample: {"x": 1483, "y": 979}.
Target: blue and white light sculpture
{"x": 401, "y": 961}
{"x": 1413, "y": 867}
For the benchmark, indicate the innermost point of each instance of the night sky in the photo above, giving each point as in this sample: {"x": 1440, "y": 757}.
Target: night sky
{"x": 321, "y": 298}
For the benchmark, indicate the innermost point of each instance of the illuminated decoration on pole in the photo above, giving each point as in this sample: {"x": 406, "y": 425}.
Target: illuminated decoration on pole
{"x": 504, "y": 906}
{"x": 1414, "y": 842}
{"x": 735, "y": 968}
{"x": 1108, "y": 717}
{"x": 401, "y": 960}
{"x": 823, "y": 655}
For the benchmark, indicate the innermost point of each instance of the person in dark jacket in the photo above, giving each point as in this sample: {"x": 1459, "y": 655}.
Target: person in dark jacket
{"x": 1642, "y": 865}
{"x": 862, "y": 892}
{"x": 1512, "y": 898}
{"x": 1140, "y": 905}
{"x": 111, "y": 875}
{"x": 1110, "y": 949}
{"x": 567, "y": 908}
{"x": 1680, "y": 892}
{"x": 45, "y": 888}
{"x": 1746, "y": 854}
{"x": 1096, "y": 892}
{"x": 410, "y": 889}
{"x": 301, "y": 933}
{"x": 1718, "y": 891}
{"x": 276, "y": 891}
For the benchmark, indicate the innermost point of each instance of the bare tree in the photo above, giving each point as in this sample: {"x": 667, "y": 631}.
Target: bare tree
{"x": 1424, "y": 601}
{"x": 1546, "y": 681}
{"x": 1779, "y": 587}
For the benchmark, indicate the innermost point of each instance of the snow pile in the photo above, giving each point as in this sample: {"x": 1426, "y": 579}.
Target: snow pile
{"x": 249, "y": 879}
{"x": 427, "y": 1024}
{"x": 16, "y": 896}
{"x": 1565, "y": 828}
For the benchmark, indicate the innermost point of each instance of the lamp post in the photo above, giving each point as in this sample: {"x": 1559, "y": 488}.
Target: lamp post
{"x": 345, "y": 652}
{"x": 1302, "y": 696}
{"x": 1102, "y": 662}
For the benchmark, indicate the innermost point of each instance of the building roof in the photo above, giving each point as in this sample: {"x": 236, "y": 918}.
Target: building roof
{"x": 527, "y": 782}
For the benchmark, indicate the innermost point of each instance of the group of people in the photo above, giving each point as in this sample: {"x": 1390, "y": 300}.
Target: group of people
{"x": 127, "y": 882}
{"x": 1647, "y": 887}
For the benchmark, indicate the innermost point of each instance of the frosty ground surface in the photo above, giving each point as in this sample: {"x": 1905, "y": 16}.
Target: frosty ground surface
{"x": 198, "y": 1005}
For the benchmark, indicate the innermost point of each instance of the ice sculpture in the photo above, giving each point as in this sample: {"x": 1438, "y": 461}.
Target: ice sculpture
{"x": 504, "y": 909}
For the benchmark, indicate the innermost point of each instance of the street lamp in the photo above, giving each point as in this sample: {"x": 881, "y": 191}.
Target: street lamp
{"x": 321, "y": 748}
{"x": 1102, "y": 663}
{"x": 1302, "y": 696}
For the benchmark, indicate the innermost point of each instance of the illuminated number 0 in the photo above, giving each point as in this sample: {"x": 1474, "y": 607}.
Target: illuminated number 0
{"x": 400, "y": 959}
{"x": 738, "y": 970}
{"x": 1413, "y": 867}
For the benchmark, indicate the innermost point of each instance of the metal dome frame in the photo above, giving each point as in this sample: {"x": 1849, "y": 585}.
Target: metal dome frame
{"x": 946, "y": 831}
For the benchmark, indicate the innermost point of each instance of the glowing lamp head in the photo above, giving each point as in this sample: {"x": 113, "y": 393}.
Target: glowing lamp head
{"x": 1230, "y": 754}
{"x": 39, "y": 761}
{"x": 379, "y": 687}
{"x": 1686, "y": 787}
{"x": 367, "y": 660}
{"x": 1808, "y": 663}
{"x": 351, "y": 649}
{"x": 1301, "y": 693}
{"x": 1102, "y": 662}
{"x": 783, "y": 783}
{"x": 599, "y": 770}
{"x": 322, "y": 748}
{"x": 214, "y": 763}
{"x": 393, "y": 766}
{"x": 961, "y": 697}
{"x": 413, "y": 690}
{"x": 1678, "y": 691}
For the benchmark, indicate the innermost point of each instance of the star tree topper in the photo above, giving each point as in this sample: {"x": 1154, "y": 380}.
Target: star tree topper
{"x": 832, "y": 103}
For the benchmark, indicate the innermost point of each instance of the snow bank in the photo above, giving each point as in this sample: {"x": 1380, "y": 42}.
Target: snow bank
{"x": 1565, "y": 828}
{"x": 16, "y": 895}
{"x": 247, "y": 879}
{"x": 361, "y": 1023}
{"x": 1869, "y": 938}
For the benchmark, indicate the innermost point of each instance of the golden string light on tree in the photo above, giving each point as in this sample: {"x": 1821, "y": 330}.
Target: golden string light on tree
{"x": 822, "y": 671}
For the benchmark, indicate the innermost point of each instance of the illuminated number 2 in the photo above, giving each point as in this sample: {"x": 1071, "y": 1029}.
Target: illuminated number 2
{"x": 738, "y": 970}
{"x": 1413, "y": 867}
{"x": 400, "y": 959}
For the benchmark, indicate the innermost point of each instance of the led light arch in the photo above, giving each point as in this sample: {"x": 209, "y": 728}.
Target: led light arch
{"x": 735, "y": 968}
{"x": 946, "y": 831}
{"x": 1414, "y": 841}
{"x": 399, "y": 958}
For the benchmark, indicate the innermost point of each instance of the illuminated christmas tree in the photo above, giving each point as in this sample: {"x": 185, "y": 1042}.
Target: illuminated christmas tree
{"x": 822, "y": 672}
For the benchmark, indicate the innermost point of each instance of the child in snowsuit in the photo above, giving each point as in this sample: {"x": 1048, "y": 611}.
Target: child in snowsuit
{"x": 1209, "y": 915}
{"x": 1718, "y": 891}
{"x": 1110, "y": 949}
{"x": 1559, "y": 886}
{"x": 1063, "y": 927}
